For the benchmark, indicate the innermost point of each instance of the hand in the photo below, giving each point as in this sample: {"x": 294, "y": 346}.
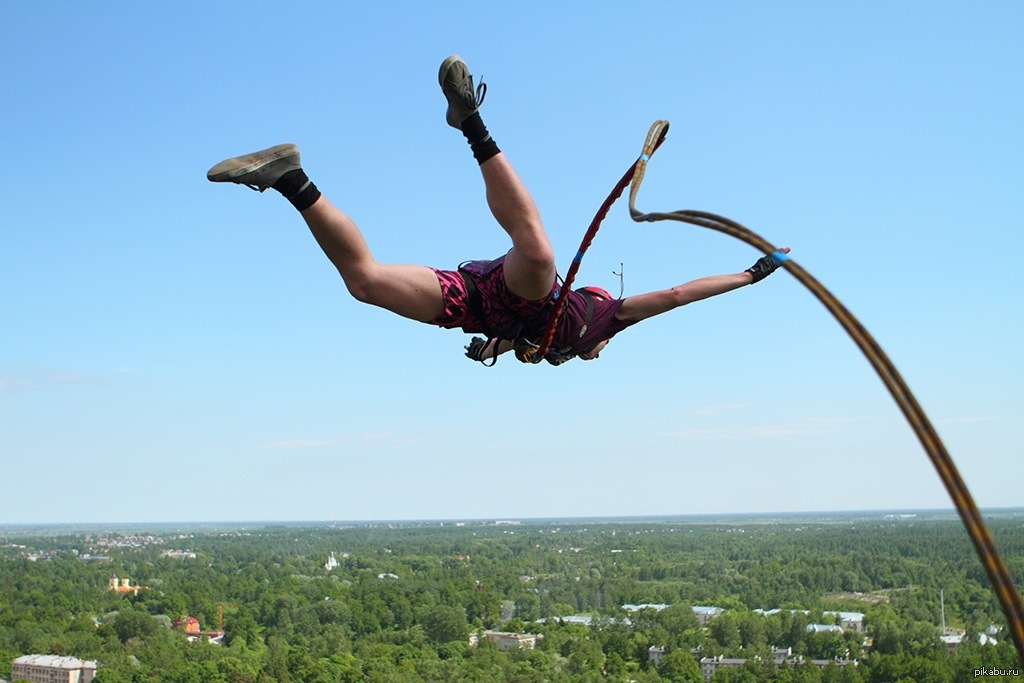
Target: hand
{"x": 476, "y": 349}
{"x": 766, "y": 265}
{"x": 594, "y": 353}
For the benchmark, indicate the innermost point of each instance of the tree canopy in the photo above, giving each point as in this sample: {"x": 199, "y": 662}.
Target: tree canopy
{"x": 403, "y": 599}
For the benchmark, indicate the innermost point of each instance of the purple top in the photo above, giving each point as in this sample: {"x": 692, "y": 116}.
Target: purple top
{"x": 575, "y": 335}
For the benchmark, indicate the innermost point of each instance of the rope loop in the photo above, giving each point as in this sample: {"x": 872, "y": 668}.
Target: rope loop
{"x": 995, "y": 568}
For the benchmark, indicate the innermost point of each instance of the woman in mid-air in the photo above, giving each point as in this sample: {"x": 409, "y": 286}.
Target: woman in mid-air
{"x": 508, "y": 299}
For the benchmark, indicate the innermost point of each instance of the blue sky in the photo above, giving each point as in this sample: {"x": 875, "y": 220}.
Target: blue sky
{"x": 174, "y": 350}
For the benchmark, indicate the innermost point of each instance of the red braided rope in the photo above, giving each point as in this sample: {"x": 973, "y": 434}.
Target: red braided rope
{"x": 588, "y": 237}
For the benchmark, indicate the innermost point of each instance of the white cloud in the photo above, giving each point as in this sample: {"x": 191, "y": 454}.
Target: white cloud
{"x": 806, "y": 427}
{"x": 67, "y": 378}
{"x": 12, "y": 383}
{"x": 47, "y": 379}
{"x": 711, "y": 411}
{"x": 318, "y": 443}
{"x": 967, "y": 420}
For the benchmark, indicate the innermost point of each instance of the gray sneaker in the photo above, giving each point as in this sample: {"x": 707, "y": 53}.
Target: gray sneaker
{"x": 457, "y": 86}
{"x": 258, "y": 170}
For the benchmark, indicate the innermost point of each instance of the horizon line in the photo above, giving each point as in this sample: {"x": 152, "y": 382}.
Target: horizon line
{"x": 443, "y": 521}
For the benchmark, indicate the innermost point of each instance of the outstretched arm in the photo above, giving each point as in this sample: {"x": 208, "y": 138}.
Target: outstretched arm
{"x": 643, "y": 306}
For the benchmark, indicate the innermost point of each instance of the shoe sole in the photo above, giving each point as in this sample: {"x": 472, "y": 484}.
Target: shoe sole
{"x": 446, "y": 66}
{"x": 233, "y": 169}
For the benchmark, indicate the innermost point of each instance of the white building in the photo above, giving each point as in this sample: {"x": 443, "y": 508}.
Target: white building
{"x": 506, "y": 640}
{"x": 332, "y": 563}
{"x": 582, "y": 619}
{"x": 52, "y": 669}
{"x": 953, "y": 638}
{"x": 709, "y": 665}
{"x": 850, "y": 621}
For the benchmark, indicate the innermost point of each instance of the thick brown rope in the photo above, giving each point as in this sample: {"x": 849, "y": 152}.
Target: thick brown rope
{"x": 1009, "y": 598}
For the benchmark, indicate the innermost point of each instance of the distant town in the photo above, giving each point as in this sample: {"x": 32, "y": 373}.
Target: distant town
{"x": 852, "y": 592}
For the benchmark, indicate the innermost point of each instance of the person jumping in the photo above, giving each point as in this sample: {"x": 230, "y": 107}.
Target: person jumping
{"x": 509, "y": 299}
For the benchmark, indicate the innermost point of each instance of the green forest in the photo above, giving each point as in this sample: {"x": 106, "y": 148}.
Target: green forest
{"x": 404, "y": 598}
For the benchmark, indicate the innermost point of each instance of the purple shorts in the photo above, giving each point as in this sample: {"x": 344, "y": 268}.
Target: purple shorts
{"x": 585, "y": 321}
{"x": 498, "y": 303}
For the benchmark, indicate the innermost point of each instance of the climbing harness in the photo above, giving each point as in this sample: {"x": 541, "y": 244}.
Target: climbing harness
{"x": 523, "y": 333}
{"x": 513, "y": 329}
{"x": 1002, "y": 584}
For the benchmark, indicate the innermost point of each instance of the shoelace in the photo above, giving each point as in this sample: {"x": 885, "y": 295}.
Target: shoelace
{"x": 481, "y": 91}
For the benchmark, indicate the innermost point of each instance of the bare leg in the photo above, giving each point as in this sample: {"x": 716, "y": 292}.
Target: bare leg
{"x": 530, "y": 264}
{"x": 409, "y": 291}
